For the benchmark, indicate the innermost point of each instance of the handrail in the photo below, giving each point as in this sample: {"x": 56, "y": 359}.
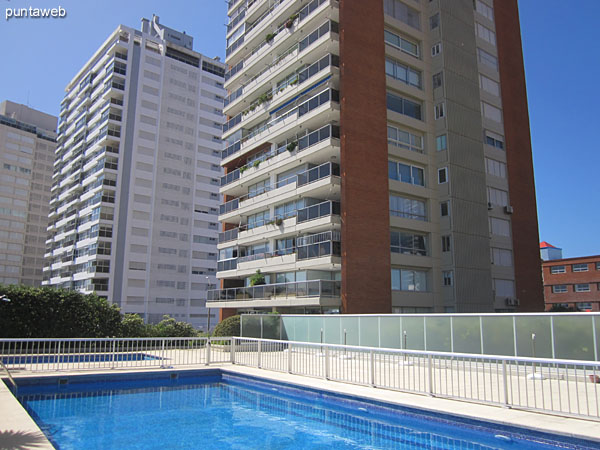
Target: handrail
{"x": 12, "y": 380}
{"x": 575, "y": 362}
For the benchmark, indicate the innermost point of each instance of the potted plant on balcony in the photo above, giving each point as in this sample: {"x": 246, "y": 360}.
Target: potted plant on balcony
{"x": 243, "y": 169}
{"x": 257, "y": 279}
{"x": 290, "y": 22}
{"x": 269, "y": 37}
{"x": 279, "y": 221}
{"x": 292, "y": 146}
{"x": 256, "y": 163}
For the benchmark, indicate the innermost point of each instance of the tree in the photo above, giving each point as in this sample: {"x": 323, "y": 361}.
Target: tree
{"x": 133, "y": 325}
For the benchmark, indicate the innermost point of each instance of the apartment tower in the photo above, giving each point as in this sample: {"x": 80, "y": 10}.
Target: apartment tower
{"x": 27, "y": 143}
{"x": 135, "y": 195}
{"x": 377, "y": 159}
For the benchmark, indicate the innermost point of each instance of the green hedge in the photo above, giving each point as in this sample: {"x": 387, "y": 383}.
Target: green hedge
{"x": 58, "y": 313}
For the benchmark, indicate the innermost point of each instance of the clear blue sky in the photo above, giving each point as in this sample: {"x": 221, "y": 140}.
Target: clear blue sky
{"x": 561, "y": 51}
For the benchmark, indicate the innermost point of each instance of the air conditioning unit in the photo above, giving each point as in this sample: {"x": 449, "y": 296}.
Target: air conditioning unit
{"x": 508, "y": 209}
{"x": 490, "y": 206}
{"x": 511, "y": 301}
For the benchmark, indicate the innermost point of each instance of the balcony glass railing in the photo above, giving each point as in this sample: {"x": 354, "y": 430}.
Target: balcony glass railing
{"x": 302, "y": 109}
{"x": 303, "y": 178}
{"x": 298, "y": 289}
{"x": 317, "y": 211}
{"x": 229, "y": 235}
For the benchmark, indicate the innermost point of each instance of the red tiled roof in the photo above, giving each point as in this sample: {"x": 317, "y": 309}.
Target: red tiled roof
{"x": 544, "y": 244}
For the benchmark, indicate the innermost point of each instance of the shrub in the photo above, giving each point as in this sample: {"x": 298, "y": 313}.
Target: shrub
{"x": 257, "y": 279}
{"x": 54, "y": 313}
{"x": 169, "y": 327}
{"x": 228, "y": 327}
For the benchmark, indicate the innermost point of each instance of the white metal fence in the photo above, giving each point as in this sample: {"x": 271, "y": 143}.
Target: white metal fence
{"x": 555, "y": 386}
{"x": 42, "y": 355}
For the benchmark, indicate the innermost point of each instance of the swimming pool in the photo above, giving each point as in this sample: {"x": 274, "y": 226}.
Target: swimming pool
{"x": 77, "y": 358}
{"x": 213, "y": 409}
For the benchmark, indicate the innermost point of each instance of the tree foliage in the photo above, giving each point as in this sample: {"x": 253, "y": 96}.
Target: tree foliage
{"x": 58, "y": 313}
{"x": 228, "y": 327}
{"x": 55, "y": 313}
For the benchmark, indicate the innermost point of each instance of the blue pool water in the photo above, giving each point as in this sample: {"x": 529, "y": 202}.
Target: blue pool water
{"x": 216, "y": 410}
{"x": 77, "y": 358}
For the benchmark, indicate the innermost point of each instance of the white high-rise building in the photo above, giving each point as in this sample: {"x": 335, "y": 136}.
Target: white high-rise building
{"x": 134, "y": 207}
{"x": 27, "y": 143}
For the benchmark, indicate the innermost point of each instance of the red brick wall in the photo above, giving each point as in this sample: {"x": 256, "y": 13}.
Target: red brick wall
{"x": 519, "y": 158}
{"x": 570, "y": 278}
{"x": 366, "y": 277}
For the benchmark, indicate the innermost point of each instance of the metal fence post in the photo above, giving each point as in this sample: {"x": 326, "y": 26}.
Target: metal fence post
{"x": 113, "y": 354}
{"x": 505, "y": 382}
{"x": 259, "y": 354}
{"x": 290, "y": 358}
{"x": 208, "y": 352}
{"x": 372, "y": 359}
{"x": 327, "y": 369}
{"x": 232, "y": 350}
{"x": 58, "y": 356}
{"x": 430, "y": 370}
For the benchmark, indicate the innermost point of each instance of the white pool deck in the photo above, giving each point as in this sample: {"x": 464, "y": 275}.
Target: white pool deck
{"x": 18, "y": 430}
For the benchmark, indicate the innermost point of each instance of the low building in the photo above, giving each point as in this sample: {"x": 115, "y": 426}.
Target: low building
{"x": 572, "y": 283}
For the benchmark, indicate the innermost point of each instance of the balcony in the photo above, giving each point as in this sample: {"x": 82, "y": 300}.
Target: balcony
{"x": 299, "y": 293}
{"x": 308, "y": 177}
{"x": 282, "y": 123}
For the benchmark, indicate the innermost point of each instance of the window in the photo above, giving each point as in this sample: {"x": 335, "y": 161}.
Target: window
{"x": 559, "y": 289}
{"x": 489, "y": 85}
{"x": 441, "y": 143}
{"x": 407, "y": 208}
{"x": 504, "y": 288}
{"x": 405, "y": 139}
{"x": 598, "y": 266}
{"x": 491, "y": 112}
{"x": 497, "y": 197}
{"x": 403, "y": 106}
{"x": 501, "y": 257}
{"x": 495, "y": 140}
{"x": 403, "y": 73}
{"x": 487, "y": 59}
{"x": 584, "y": 306}
{"x": 446, "y": 246}
{"x": 409, "y": 280}
{"x": 434, "y": 21}
{"x": 436, "y": 49}
{"x": 558, "y": 269}
{"x": 440, "y": 111}
{"x": 448, "y": 277}
{"x": 258, "y": 188}
{"x": 495, "y": 168}
{"x": 499, "y": 227}
{"x": 484, "y": 9}
{"x": 406, "y": 173}
{"x": 580, "y": 267}
{"x": 402, "y": 12}
{"x": 582, "y": 287}
{"x": 444, "y": 209}
{"x": 443, "y": 175}
{"x": 257, "y": 220}
{"x": 407, "y": 243}
{"x": 437, "y": 80}
{"x": 486, "y": 34}
{"x": 403, "y": 44}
